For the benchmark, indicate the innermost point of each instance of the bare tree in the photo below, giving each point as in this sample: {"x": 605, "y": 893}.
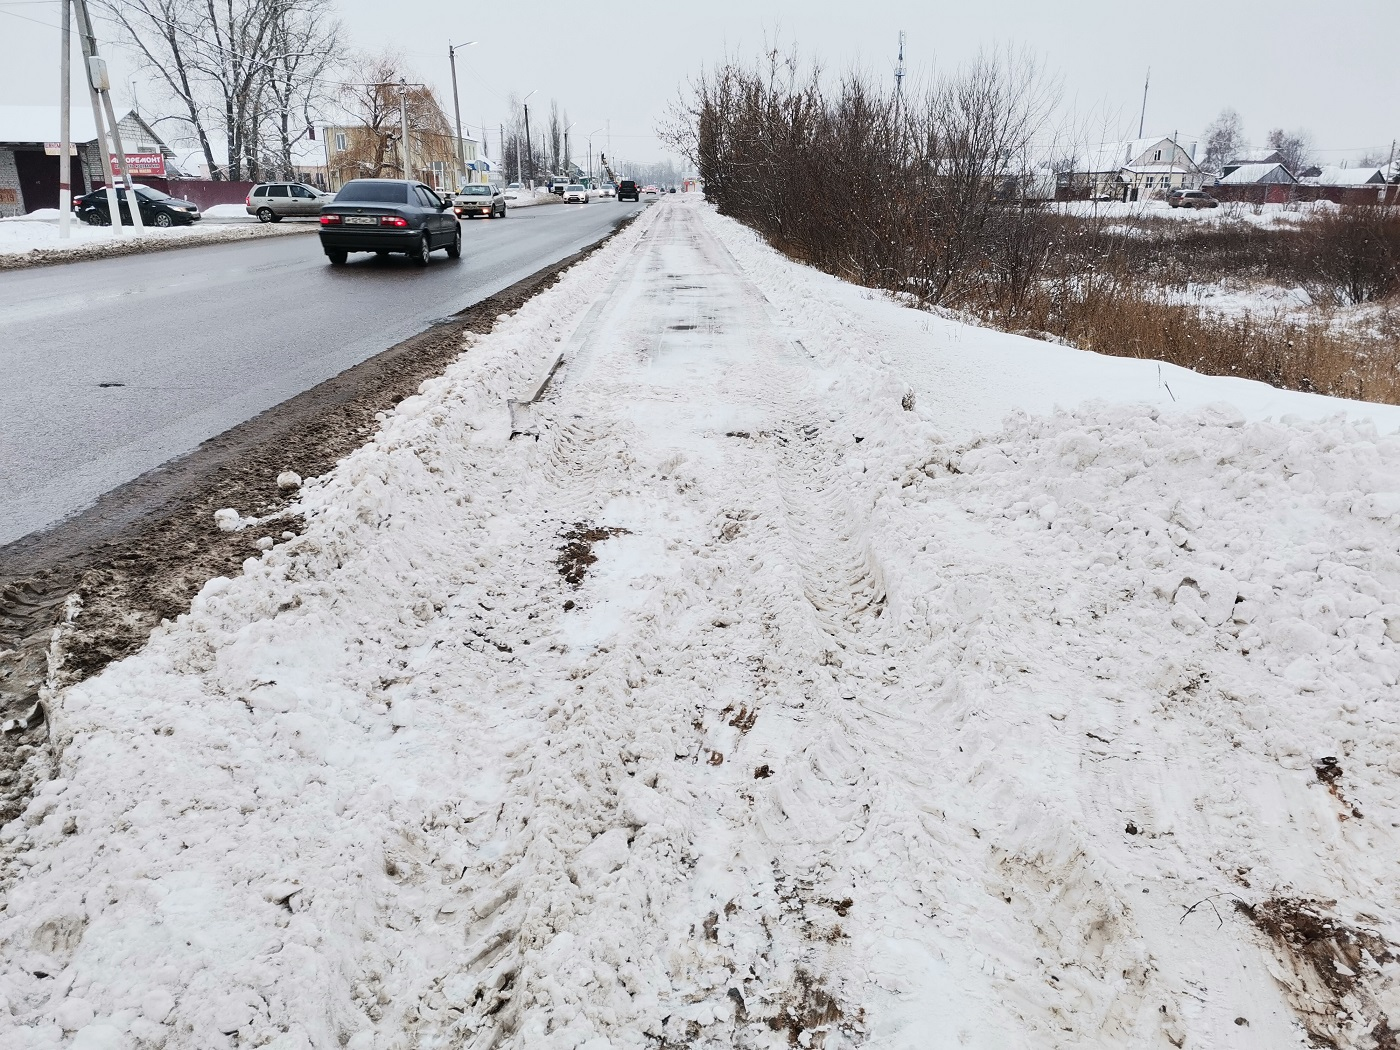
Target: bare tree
{"x": 1224, "y": 139}
{"x": 556, "y": 138}
{"x": 305, "y": 37}
{"x": 238, "y": 68}
{"x": 376, "y": 84}
{"x": 1295, "y": 147}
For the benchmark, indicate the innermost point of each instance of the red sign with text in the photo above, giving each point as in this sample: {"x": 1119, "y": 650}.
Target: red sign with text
{"x": 141, "y": 164}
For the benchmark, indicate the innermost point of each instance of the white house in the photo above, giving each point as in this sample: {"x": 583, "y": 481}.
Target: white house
{"x": 1130, "y": 170}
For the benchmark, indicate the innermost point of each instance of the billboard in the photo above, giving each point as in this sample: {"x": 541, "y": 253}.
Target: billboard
{"x": 140, "y": 164}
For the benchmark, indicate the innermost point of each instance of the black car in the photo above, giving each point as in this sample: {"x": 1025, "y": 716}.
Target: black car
{"x": 157, "y": 209}
{"x": 388, "y": 215}
{"x": 627, "y": 191}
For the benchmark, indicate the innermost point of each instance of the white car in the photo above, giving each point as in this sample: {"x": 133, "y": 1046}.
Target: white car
{"x": 609, "y": 190}
{"x": 576, "y": 192}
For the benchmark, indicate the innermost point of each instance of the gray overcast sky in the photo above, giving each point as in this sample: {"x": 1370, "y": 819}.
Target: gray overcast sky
{"x": 1333, "y": 69}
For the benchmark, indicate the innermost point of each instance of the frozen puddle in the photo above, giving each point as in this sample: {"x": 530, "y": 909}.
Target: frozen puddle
{"x": 741, "y": 709}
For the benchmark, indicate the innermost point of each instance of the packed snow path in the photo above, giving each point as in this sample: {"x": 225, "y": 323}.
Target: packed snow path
{"x": 849, "y": 736}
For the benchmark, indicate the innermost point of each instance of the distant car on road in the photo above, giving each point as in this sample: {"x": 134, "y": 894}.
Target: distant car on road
{"x": 479, "y": 200}
{"x": 609, "y": 189}
{"x": 557, "y": 186}
{"x": 1191, "y": 199}
{"x": 389, "y": 215}
{"x": 627, "y": 191}
{"x": 274, "y": 201}
{"x": 576, "y": 192}
{"x": 157, "y": 208}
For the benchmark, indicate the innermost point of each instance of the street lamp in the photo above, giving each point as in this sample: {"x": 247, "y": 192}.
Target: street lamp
{"x": 589, "y": 137}
{"x": 529, "y": 147}
{"x": 456, "y": 106}
{"x": 566, "y": 143}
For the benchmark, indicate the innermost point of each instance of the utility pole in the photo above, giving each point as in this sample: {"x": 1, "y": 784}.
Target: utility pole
{"x": 97, "y": 81}
{"x": 65, "y": 134}
{"x": 456, "y": 106}
{"x": 102, "y": 85}
{"x": 529, "y": 146}
{"x": 403, "y": 125}
{"x": 1142, "y": 117}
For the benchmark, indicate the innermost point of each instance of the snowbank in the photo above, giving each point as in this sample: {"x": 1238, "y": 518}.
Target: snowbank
{"x": 532, "y": 198}
{"x": 890, "y": 706}
{"x": 1228, "y": 212}
{"x": 30, "y": 242}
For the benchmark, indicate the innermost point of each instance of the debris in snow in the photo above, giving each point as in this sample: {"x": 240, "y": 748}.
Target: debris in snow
{"x": 289, "y": 479}
{"x": 577, "y": 555}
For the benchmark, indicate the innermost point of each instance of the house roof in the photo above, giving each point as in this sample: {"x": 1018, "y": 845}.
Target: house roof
{"x": 1249, "y": 173}
{"x": 1348, "y": 176}
{"x": 41, "y": 124}
{"x": 1115, "y": 156}
{"x": 1255, "y": 156}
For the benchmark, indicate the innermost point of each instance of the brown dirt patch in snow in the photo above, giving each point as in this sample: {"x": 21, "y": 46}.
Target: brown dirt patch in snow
{"x": 143, "y": 550}
{"x": 577, "y": 553}
{"x": 1331, "y": 971}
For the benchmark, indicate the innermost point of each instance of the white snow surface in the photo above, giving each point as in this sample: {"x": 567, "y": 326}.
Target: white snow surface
{"x": 1227, "y": 212}
{"x": 871, "y": 725}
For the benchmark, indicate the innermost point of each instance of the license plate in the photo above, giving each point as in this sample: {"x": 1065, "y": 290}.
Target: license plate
{"x": 361, "y": 220}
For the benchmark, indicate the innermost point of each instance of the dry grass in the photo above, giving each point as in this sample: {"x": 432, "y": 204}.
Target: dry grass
{"x": 1125, "y": 319}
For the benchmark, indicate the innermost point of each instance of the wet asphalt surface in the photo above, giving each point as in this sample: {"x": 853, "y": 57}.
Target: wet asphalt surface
{"x": 112, "y": 367}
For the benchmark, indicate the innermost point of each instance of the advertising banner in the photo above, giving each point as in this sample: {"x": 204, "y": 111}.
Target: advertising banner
{"x": 140, "y": 164}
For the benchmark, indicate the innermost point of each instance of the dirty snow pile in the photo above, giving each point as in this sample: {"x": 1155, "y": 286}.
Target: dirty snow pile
{"x": 27, "y": 240}
{"x": 775, "y": 689}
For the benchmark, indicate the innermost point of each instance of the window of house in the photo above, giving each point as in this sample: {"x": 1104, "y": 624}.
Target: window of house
{"x": 340, "y": 142}
{"x": 1157, "y": 155}
{"x": 1149, "y": 182}
{"x": 439, "y": 174}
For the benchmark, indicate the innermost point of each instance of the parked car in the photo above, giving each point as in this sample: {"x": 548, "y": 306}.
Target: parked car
{"x": 389, "y": 215}
{"x": 274, "y": 201}
{"x": 1191, "y": 199}
{"x": 671, "y": 190}
{"x": 157, "y": 208}
{"x": 627, "y": 191}
{"x": 576, "y": 192}
{"x": 609, "y": 189}
{"x": 478, "y": 200}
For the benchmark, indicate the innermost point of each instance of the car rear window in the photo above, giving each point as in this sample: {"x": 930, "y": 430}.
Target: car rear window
{"x": 479, "y": 190}
{"x": 373, "y": 192}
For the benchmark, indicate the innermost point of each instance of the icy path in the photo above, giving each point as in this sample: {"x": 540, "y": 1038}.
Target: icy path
{"x": 850, "y": 736}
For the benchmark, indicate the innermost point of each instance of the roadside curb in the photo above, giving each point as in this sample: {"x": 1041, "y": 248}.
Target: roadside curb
{"x": 142, "y": 245}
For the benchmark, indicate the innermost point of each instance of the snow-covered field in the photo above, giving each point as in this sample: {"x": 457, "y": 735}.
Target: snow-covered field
{"x": 932, "y": 687}
{"x": 1229, "y": 211}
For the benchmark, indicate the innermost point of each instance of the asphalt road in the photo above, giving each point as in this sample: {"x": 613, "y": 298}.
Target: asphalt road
{"x": 112, "y": 367}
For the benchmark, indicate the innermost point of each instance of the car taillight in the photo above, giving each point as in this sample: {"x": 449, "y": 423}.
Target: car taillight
{"x": 248, "y": 201}
{"x": 330, "y": 220}
{"x": 393, "y": 220}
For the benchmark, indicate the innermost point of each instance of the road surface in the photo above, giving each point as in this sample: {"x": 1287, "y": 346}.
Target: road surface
{"x": 115, "y": 366}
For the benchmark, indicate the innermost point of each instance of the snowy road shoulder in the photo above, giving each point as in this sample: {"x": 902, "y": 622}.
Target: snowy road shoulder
{"x": 756, "y": 702}
{"x": 25, "y": 243}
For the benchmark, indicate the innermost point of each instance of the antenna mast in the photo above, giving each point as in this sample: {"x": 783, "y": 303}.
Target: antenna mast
{"x": 899, "y": 69}
{"x": 1142, "y": 119}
